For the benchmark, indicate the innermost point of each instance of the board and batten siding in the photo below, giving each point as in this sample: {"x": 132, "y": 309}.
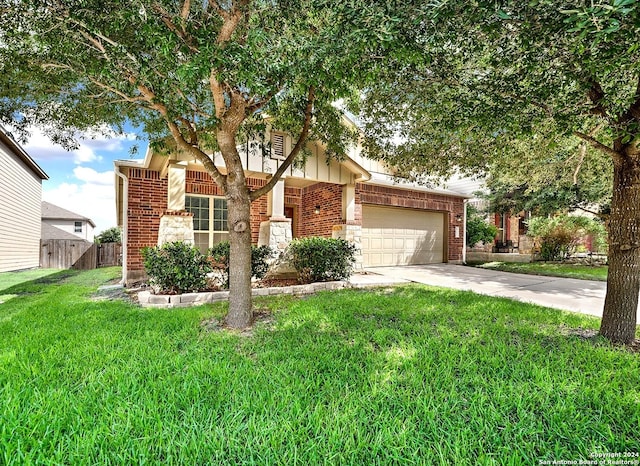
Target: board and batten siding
{"x": 20, "y": 213}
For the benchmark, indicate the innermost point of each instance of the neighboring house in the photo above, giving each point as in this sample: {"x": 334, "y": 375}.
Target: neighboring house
{"x": 168, "y": 198}
{"x": 20, "y": 197}
{"x": 76, "y": 225}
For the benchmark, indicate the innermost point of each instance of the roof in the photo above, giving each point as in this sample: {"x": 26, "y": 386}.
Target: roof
{"x": 11, "y": 143}
{"x": 52, "y": 211}
{"x": 50, "y": 232}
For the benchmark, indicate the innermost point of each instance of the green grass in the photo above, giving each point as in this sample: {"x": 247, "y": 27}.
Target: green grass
{"x": 410, "y": 375}
{"x": 11, "y": 279}
{"x": 582, "y": 272}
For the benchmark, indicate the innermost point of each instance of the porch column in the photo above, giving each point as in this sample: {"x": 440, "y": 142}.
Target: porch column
{"x": 176, "y": 186}
{"x": 276, "y": 202}
{"x": 276, "y": 232}
{"x": 351, "y": 230}
{"x": 349, "y": 203}
{"x": 176, "y": 224}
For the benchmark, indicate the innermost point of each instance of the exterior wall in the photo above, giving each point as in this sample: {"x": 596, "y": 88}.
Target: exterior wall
{"x": 394, "y": 197}
{"x": 70, "y": 227}
{"x": 329, "y": 198}
{"x": 147, "y": 203}
{"x": 20, "y": 212}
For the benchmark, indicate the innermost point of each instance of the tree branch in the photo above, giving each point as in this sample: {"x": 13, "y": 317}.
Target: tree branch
{"x": 167, "y": 19}
{"x": 596, "y": 96}
{"x": 598, "y": 145}
{"x": 218, "y": 177}
{"x": 302, "y": 139}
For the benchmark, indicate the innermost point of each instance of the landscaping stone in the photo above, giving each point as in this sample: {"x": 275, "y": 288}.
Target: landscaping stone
{"x": 146, "y": 299}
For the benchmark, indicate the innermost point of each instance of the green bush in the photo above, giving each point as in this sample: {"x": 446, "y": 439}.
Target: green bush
{"x": 321, "y": 259}
{"x": 176, "y": 267}
{"x": 111, "y": 235}
{"x": 558, "y": 237}
{"x": 220, "y": 256}
{"x": 478, "y": 230}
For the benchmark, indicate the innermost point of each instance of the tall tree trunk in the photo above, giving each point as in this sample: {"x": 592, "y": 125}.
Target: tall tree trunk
{"x": 239, "y": 223}
{"x": 239, "y": 219}
{"x": 623, "y": 282}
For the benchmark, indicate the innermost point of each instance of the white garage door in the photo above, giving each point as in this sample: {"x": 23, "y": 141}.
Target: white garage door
{"x": 395, "y": 236}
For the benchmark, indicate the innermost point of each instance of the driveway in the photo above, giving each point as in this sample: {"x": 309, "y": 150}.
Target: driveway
{"x": 584, "y": 296}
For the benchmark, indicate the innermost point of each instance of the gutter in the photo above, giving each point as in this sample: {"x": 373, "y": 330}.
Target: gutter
{"x": 125, "y": 220}
{"x": 464, "y": 231}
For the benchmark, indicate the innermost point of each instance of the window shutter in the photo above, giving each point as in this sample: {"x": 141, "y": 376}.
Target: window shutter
{"x": 277, "y": 146}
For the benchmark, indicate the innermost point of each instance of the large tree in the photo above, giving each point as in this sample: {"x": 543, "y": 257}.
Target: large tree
{"x": 202, "y": 73}
{"x": 489, "y": 79}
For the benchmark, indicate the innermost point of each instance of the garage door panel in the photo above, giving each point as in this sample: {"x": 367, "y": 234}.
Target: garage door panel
{"x": 396, "y": 236}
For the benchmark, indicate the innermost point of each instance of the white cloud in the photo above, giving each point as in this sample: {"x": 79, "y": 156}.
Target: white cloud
{"x": 93, "y": 196}
{"x": 89, "y": 175}
{"x": 41, "y": 147}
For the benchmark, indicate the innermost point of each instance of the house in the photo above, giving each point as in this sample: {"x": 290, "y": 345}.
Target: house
{"x": 168, "y": 198}
{"x": 59, "y": 223}
{"x": 20, "y": 196}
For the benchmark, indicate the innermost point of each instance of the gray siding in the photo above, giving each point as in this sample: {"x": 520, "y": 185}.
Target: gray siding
{"x": 20, "y": 207}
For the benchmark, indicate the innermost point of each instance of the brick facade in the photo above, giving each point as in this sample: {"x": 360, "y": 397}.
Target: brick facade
{"x": 147, "y": 203}
{"x": 329, "y": 198}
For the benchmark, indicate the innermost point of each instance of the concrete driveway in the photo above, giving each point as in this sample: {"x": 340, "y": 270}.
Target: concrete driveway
{"x": 584, "y": 296}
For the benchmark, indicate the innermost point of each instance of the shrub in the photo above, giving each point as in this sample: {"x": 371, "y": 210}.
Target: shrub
{"x": 111, "y": 235}
{"x": 220, "y": 257}
{"x": 321, "y": 259}
{"x": 558, "y": 237}
{"x": 176, "y": 267}
{"x": 478, "y": 229}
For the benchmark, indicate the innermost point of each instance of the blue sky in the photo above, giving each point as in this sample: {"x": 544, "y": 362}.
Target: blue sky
{"x": 83, "y": 180}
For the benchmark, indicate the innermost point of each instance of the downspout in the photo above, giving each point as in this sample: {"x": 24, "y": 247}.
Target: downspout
{"x": 125, "y": 221}
{"x": 464, "y": 231}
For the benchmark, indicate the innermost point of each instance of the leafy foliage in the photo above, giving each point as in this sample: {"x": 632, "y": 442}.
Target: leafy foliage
{"x": 111, "y": 235}
{"x": 557, "y": 237}
{"x": 219, "y": 254}
{"x": 321, "y": 259}
{"x": 176, "y": 267}
{"x": 478, "y": 230}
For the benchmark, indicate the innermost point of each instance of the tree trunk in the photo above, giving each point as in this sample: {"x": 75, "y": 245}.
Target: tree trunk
{"x": 239, "y": 219}
{"x": 623, "y": 282}
{"x": 239, "y": 223}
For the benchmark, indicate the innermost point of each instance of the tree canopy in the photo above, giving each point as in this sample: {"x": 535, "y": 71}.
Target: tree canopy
{"x": 491, "y": 84}
{"x": 201, "y": 73}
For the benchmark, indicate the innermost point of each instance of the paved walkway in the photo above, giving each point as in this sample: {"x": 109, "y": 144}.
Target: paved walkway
{"x": 584, "y": 296}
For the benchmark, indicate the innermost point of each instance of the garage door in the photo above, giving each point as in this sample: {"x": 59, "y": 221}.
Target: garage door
{"x": 393, "y": 236}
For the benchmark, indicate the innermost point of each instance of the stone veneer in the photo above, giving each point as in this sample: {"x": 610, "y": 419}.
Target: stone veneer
{"x": 176, "y": 227}
{"x": 352, "y": 234}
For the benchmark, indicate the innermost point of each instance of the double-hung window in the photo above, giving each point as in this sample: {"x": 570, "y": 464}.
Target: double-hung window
{"x": 77, "y": 227}
{"x": 209, "y": 220}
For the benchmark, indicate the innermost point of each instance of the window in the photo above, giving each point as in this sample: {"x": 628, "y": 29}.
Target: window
{"x": 209, "y": 220}
{"x": 77, "y": 227}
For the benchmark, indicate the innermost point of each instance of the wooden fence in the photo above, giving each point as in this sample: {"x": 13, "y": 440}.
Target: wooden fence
{"x": 109, "y": 254}
{"x": 78, "y": 254}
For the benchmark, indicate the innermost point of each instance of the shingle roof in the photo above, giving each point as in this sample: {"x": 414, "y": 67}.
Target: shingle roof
{"x": 52, "y": 211}
{"x": 50, "y": 232}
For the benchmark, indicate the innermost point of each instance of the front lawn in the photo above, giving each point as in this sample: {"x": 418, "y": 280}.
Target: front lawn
{"x": 552, "y": 269}
{"x": 406, "y": 375}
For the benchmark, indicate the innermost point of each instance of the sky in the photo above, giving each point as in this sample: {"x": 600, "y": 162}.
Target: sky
{"x": 83, "y": 180}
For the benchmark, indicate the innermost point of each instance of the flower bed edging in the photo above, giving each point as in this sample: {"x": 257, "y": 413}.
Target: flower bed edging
{"x": 147, "y": 299}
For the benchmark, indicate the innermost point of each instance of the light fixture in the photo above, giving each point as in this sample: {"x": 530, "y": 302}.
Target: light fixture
{"x": 459, "y": 218}
{"x": 317, "y": 211}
